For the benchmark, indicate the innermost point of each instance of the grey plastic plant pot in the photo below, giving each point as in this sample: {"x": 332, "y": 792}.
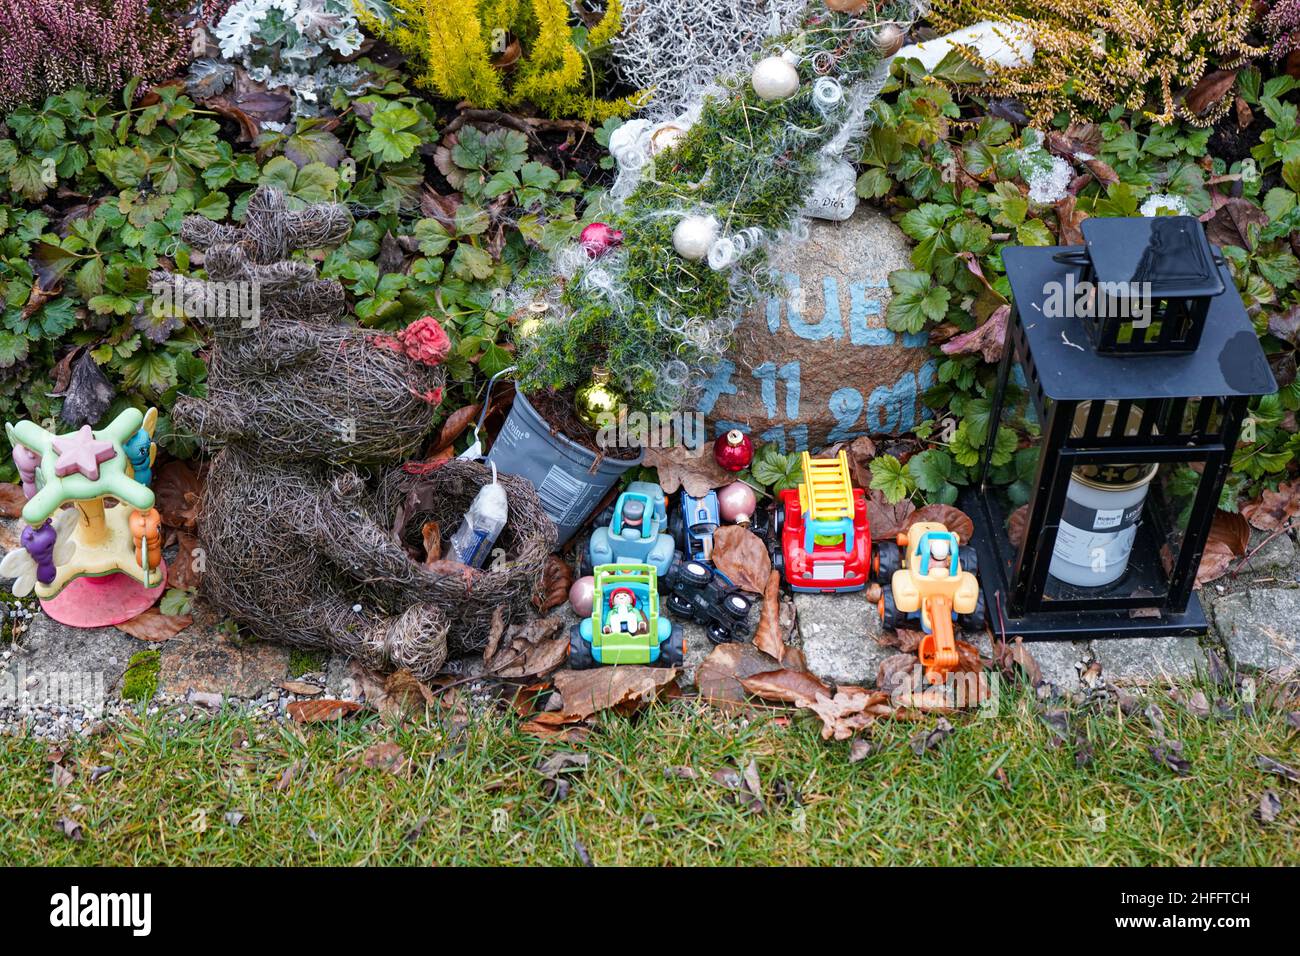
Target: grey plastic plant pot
{"x": 560, "y": 470}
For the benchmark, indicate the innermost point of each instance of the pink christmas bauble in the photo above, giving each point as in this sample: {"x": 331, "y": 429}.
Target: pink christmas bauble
{"x": 581, "y": 594}
{"x": 598, "y": 238}
{"x": 737, "y": 501}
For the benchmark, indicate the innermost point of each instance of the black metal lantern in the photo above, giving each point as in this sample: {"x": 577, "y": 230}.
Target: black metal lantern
{"x": 1130, "y": 363}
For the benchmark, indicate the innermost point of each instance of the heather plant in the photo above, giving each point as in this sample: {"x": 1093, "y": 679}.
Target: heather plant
{"x": 1092, "y": 55}
{"x": 504, "y": 53}
{"x": 1282, "y": 27}
{"x": 54, "y": 45}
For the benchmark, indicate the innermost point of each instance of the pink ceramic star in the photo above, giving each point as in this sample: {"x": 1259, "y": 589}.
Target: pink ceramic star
{"x": 81, "y": 451}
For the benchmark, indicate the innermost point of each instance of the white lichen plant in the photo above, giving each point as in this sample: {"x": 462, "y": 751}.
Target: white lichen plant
{"x": 297, "y": 44}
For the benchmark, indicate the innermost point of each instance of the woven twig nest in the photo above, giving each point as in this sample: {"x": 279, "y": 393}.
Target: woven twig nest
{"x": 470, "y": 598}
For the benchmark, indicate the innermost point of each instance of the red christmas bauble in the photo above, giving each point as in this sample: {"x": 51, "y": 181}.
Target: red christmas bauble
{"x": 733, "y": 450}
{"x": 598, "y": 238}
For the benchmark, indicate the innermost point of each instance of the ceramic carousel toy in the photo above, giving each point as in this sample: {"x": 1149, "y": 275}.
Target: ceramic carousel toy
{"x": 92, "y": 548}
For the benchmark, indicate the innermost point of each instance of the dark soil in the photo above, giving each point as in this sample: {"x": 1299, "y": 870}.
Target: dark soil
{"x": 1230, "y": 142}
{"x": 557, "y": 410}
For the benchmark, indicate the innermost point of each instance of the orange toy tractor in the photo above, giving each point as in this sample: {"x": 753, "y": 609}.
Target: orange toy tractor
{"x": 927, "y": 585}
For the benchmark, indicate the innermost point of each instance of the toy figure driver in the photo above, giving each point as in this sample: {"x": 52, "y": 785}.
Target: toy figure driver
{"x": 633, "y": 518}
{"x": 624, "y": 616}
{"x": 940, "y": 556}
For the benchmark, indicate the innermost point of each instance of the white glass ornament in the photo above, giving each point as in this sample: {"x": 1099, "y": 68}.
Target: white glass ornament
{"x": 694, "y": 235}
{"x": 774, "y": 78}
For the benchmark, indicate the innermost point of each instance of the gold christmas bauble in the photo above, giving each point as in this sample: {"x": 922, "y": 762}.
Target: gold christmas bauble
{"x": 849, "y": 6}
{"x": 598, "y": 402}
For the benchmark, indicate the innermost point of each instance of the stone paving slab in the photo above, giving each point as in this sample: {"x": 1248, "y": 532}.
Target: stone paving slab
{"x": 68, "y": 665}
{"x": 1276, "y": 556}
{"x": 1058, "y": 661}
{"x": 1145, "y": 660}
{"x": 1260, "y": 627}
{"x": 204, "y": 660}
{"x": 839, "y": 634}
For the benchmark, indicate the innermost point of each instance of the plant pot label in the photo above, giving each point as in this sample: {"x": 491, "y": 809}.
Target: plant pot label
{"x": 818, "y": 366}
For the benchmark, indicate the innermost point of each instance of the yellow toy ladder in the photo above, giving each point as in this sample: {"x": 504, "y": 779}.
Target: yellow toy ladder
{"x": 826, "y": 493}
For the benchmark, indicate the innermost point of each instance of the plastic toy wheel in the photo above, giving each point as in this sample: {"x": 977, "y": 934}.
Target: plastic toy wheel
{"x": 579, "y": 651}
{"x": 677, "y": 528}
{"x": 693, "y": 572}
{"x": 886, "y": 558}
{"x": 673, "y": 651}
{"x": 969, "y": 560}
{"x": 737, "y": 606}
{"x": 889, "y": 616}
{"x": 679, "y": 605}
{"x": 719, "y": 634}
{"x": 977, "y": 619}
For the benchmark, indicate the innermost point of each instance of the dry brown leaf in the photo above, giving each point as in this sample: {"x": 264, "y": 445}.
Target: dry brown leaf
{"x": 785, "y": 686}
{"x": 1015, "y": 654}
{"x": 468, "y": 576}
{"x": 850, "y": 710}
{"x": 1270, "y": 805}
{"x": 178, "y": 495}
{"x": 403, "y": 696}
{"x": 954, "y": 519}
{"x": 861, "y": 451}
{"x": 533, "y": 649}
{"x": 741, "y": 556}
{"x": 767, "y": 636}
{"x": 986, "y": 339}
{"x": 181, "y": 572}
{"x": 1070, "y": 219}
{"x": 897, "y": 673}
{"x": 1210, "y": 90}
{"x": 431, "y": 532}
{"x": 1231, "y": 223}
{"x": 719, "y": 676}
{"x": 679, "y": 467}
{"x": 602, "y": 688}
{"x": 154, "y": 625}
{"x": 557, "y": 578}
{"x": 1017, "y": 522}
{"x": 12, "y": 500}
{"x": 316, "y": 711}
{"x": 1274, "y": 509}
{"x": 1232, "y": 530}
{"x": 887, "y": 520}
{"x": 1228, "y": 539}
{"x": 386, "y": 756}
{"x": 454, "y": 426}
{"x": 301, "y": 688}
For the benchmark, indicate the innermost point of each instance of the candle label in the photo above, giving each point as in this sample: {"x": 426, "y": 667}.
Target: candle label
{"x": 1099, "y": 519}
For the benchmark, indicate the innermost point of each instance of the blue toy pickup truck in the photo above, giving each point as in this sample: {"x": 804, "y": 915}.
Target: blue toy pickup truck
{"x": 636, "y": 534}
{"x": 694, "y": 525}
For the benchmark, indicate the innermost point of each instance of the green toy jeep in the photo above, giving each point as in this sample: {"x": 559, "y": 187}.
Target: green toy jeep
{"x": 625, "y": 626}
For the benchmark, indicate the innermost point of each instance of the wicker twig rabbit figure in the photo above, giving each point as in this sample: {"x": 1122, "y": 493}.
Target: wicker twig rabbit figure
{"x": 303, "y": 407}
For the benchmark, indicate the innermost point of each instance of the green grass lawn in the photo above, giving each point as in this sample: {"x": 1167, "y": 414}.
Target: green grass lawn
{"x": 994, "y": 792}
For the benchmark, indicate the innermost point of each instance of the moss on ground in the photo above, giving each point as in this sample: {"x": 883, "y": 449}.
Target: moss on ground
{"x": 305, "y": 662}
{"x": 140, "y": 681}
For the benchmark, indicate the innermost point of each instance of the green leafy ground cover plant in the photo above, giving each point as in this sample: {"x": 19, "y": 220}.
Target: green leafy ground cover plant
{"x": 965, "y": 183}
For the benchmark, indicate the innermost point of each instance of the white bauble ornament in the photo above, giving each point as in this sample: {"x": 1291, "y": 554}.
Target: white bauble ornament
{"x": 774, "y": 78}
{"x": 694, "y": 235}
{"x": 665, "y": 136}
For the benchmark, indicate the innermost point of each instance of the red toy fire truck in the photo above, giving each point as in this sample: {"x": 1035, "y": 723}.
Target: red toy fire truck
{"x": 825, "y": 537}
